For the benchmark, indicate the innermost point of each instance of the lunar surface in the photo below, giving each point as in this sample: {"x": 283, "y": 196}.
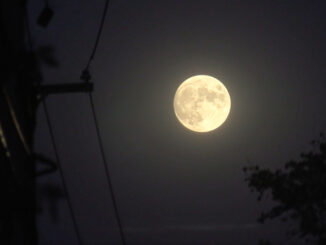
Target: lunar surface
{"x": 202, "y": 103}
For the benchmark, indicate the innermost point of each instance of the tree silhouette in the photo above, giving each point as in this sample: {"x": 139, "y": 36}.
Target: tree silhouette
{"x": 299, "y": 190}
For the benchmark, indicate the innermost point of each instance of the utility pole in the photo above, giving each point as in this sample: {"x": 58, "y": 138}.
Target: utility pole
{"x": 20, "y": 92}
{"x": 17, "y": 122}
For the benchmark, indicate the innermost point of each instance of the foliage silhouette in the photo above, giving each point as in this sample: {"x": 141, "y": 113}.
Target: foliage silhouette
{"x": 299, "y": 191}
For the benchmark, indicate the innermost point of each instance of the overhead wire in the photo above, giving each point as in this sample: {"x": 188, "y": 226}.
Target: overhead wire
{"x": 108, "y": 177}
{"x": 99, "y": 33}
{"x": 54, "y": 145}
{"x": 58, "y": 161}
{"x": 86, "y": 77}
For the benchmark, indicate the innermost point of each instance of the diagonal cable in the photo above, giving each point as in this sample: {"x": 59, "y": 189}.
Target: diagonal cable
{"x": 30, "y": 43}
{"x": 86, "y": 77}
{"x": 107, "y": 173}
{"x": 46, "y": 112}
{"x": 99, "y": 33}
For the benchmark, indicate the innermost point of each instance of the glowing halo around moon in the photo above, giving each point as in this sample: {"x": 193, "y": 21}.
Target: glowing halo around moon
{"x": 202, "y": 103}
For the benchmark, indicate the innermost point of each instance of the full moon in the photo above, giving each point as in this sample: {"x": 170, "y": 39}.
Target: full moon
{"x": 202, "y": 103}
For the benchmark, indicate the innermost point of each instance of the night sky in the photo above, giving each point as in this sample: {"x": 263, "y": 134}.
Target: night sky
{"x": 174, "y": 186}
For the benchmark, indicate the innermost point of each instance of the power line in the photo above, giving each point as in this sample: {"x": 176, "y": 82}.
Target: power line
{"x": 108, "y": 178}
{"x": 99, "y": 33}
{"x": 61, "y": 171}
{"x": 30, "y": 43}
{"x": 86, "y": 77}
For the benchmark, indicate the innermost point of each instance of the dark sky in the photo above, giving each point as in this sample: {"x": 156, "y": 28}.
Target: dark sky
{"x": 174, "y": 186}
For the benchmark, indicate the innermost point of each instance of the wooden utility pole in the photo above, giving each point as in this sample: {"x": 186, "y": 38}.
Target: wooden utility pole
{"x": 19, "y": 73}
{"x": 20, "y": 93}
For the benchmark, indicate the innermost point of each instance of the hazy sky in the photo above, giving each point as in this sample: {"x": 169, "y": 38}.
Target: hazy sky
{"x": 174, "y": 186}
